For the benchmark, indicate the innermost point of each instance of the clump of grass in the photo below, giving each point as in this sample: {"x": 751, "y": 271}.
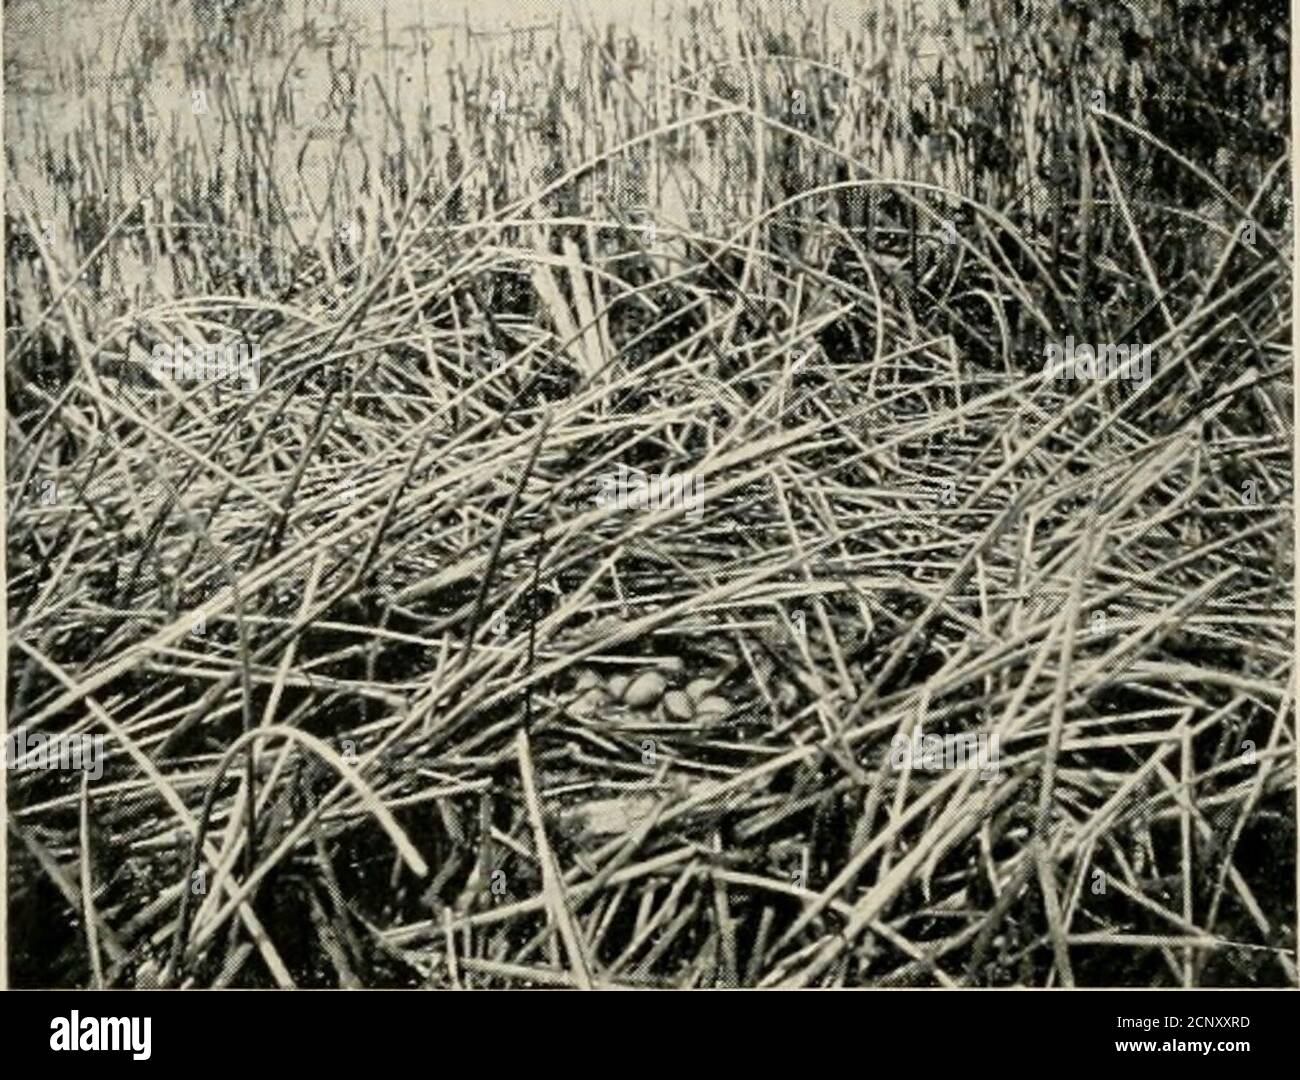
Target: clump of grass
{"x": 334, "y": 627}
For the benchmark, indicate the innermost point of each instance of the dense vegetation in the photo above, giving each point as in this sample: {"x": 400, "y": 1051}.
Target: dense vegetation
{"x": 359, "y": 640}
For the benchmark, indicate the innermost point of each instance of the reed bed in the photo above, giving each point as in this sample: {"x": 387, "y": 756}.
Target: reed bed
{"x": 341, "y": 630}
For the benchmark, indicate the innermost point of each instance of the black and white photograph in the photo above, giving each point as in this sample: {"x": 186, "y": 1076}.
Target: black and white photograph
{"x": 649, "y": 494}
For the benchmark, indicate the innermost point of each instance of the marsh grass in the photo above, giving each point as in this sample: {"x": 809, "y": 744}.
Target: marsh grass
{"x": 814, "y": 265}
